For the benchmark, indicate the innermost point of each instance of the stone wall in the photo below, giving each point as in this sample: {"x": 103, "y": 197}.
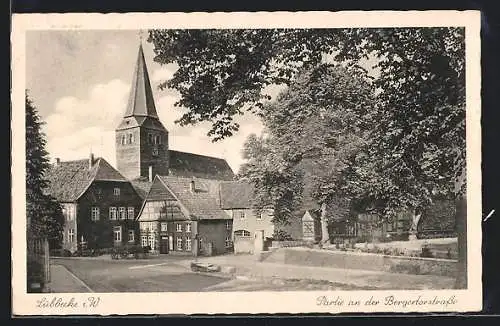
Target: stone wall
{"x": 365, "y": 261}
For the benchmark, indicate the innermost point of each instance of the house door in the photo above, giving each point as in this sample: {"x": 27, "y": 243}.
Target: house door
{"x": 164, "y": 244}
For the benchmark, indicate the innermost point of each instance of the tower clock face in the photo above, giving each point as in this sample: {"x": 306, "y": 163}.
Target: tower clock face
{"x": 155, "y": 151}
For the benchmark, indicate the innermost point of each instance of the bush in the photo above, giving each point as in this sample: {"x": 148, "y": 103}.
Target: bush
{"x": 426, "y": 252}
{"x": 60, "y": 253}
{"x": 281, "y": 235}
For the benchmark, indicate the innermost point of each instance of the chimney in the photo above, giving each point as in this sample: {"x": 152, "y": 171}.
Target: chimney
{"x": 150, "y": 173}
{"x": 57, "y": 162}
{"x": 192, "y": 186}
{"x": 91, "y": 160}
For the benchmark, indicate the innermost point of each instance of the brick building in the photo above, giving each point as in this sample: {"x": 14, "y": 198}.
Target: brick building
{"x": 99, "y": 205}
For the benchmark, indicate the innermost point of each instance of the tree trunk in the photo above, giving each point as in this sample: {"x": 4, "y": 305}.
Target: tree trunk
{"x": 414, "y": 225}
{"x": 461, "y": 228}
{"x": 324, "y": 224}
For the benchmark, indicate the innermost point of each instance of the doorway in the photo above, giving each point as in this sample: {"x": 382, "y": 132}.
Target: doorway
{"x": 164, "y": 244}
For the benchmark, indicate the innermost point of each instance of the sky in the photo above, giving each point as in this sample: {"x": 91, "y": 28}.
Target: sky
{"x": 79, "y": 81}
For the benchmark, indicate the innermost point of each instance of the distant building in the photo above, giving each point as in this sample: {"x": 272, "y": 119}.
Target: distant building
{"x": 100, "y": 206}
{"x": 236, "y": 201}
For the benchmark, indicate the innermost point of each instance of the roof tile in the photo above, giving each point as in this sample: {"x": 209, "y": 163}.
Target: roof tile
{"x": 203, "y": 203}
{"x": 184, "y": 164}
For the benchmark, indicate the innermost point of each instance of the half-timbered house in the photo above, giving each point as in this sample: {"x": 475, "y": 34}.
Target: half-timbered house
{"x": 183, "y": 216}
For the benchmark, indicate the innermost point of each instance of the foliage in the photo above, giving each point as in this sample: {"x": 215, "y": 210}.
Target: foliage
{"x": 415, "y": 147}
{"x": 281, "y": 235}
{"x": 277, "y": 183}
{"x": 313, "y": 132}
{"x": 44, "y": 214}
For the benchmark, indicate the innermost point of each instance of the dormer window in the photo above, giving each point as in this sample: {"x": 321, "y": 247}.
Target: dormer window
{"x": 130, "y": 138}
{"x": 150, "y": 138}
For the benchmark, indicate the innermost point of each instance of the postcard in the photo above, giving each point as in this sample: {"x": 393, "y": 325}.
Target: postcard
{"x": 219, "y": 163}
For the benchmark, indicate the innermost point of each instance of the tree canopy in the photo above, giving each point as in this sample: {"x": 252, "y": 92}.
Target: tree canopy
{"x": 44, "y": 214}
{"x": 417, "y": 146}
{"x": 314, "y": 130}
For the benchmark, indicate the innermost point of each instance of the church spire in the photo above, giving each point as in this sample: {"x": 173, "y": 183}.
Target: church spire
{"x": 141, "y": 101}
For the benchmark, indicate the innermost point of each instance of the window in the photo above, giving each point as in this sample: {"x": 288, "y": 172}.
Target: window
{"x": 178, "y": 227}
{"x": 71, "y": 235}
{"x": 131, "y": 214}
{"x": 130, "y": 138}
{"x": 144, "y": 240}
{"x": 188, "y": 244}
{"x": 228, "y": 225}
{"x": 260, "y": 215}
{"x": 150, "y": 138}
{"x": 124, "y": 140}
{"x": 123, "y": 213}
{"x": 117, "y": 233}
{"x": 69, "y": 212}
{"x": 157, "y": 139}
{"x": 116, "y": 192}
{"x": 243, "y": 233}
{"x": 179, "y": 243}
{"x": 241, "y": 214}
{"x": 228, "y": 242}
{"x": 112, "y": 213}
{"x": 188, "y": 227}
{"x": 95, "y": 213}
{"x": 131, "y": 236}
{"x": 152, "y": 241}
{"x": 164, "y": 227}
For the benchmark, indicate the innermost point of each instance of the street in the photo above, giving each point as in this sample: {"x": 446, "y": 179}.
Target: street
{"x": 137, "y": 275}
{"x": 165, "y": 274}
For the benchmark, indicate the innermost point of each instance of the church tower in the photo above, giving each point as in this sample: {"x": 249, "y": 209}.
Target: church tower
{"x": 141, "y": 138}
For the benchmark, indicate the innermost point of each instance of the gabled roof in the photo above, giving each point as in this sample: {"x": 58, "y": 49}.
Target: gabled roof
{"x": 236, "y": 194}
{"x": 184, "y": 164}
{"x": 141, "y": 100}
{"x": 69, "y": 180}
{"x": 203, "y": 203}
{"x": 141, "y": 187}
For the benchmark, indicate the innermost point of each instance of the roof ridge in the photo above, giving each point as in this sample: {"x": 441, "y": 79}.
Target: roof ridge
{"x": 194, "y": 154}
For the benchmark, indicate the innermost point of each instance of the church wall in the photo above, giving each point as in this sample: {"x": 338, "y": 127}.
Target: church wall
{"x": 147, "y": 157}
{"x": 127, "y": 155}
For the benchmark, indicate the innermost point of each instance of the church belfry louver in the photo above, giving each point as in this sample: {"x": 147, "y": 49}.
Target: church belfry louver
{"x": 141, "y": 138}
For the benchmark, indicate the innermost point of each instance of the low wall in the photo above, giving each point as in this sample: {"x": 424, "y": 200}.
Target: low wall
{"x": 365, "y": 261}
{"x": 243, "y": 245}
{"x": 290, "y": 243}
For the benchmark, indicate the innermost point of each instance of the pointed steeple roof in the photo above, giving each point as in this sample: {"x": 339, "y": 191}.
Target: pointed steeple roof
{"x": 141, "y": 101}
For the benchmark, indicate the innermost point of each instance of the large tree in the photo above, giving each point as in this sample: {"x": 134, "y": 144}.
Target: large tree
{"x": 313, "y": 133}
{"x": 44, "y": 214}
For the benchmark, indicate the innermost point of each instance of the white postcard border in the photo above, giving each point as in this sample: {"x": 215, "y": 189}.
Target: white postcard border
{"x": 247, "y": 302}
